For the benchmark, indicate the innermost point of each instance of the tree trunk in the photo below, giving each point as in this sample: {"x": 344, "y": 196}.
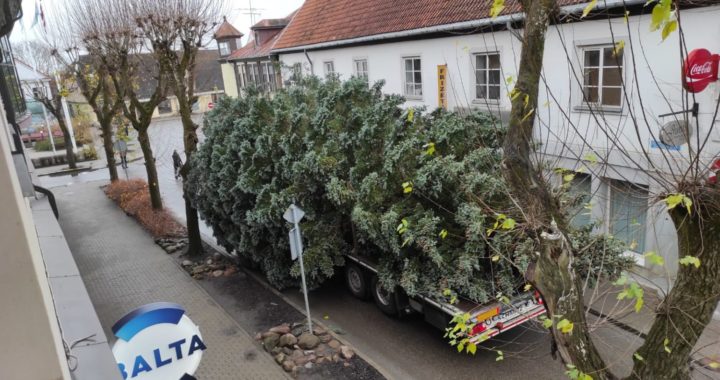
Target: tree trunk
{"x": 107, "y": 133}
{"x": 552, "y": 273}
{"x": 688, "y": 308}
{"x": 68, "y": 142}
{"x": 152, "y": 176}
{"x": 190, "y": 142}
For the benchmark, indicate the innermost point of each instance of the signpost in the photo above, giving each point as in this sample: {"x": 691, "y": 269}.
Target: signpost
{"x": 211, "y": 105}
{"x": 293, "y": 215}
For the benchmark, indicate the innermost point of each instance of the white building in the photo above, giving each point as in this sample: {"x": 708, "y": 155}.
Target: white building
{"x": 411, "y": 46}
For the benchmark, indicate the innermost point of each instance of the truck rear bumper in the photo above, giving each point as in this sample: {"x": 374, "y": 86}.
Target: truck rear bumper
{"x": 513, "y": 320}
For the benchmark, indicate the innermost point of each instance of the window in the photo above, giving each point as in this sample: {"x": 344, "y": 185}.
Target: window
{"x": 487, "y": 76}
{"x": 224, "y": 48}
{"x": 268, "y": 76}
{"x": 164, "y": 107}
{"x": 628, "y": 210}
{"x": 296, "y": 74}
{"x": 580, "y": 193}
{"x": 253, "y": 75}
{"x": 602, "y": 76}
{"x": 360, "y": 68}
{"x": 242, "y": 75}
{"x": 329, "y": 68}
{"x": 413, "y": 77}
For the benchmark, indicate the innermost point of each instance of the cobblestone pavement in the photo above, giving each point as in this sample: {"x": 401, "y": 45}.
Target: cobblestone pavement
{"x": 123, "y": 268}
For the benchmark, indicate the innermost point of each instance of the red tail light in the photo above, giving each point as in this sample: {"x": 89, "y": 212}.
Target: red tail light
{"x": 477, "y": 329}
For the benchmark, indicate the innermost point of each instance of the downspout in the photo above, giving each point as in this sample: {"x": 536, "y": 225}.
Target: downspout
{"x": 312, "y": 69}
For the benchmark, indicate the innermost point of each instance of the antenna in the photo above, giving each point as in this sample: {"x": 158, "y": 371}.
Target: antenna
{"x": 251, "y": 11}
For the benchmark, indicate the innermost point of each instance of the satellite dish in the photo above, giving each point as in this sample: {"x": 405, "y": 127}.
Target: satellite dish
{"x": 675, "y": 133}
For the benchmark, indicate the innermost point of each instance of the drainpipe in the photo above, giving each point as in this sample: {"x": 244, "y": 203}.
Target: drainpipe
{"x": 312, "y": 69}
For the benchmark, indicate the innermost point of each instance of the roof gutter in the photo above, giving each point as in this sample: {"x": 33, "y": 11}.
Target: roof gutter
{"x": 566, "y": 10}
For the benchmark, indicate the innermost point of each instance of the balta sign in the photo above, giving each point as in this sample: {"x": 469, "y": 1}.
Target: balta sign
{"x": 157, "y": 341}
{"x": 700, "y": 69}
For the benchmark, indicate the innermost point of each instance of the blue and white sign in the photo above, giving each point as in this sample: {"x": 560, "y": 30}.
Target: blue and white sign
{"x": 157, "y": 342}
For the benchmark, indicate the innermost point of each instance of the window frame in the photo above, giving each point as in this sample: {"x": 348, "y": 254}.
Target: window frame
{"x": 473, "y": 63}
{"x": 613, "y": 187}
{"x": 224, "y": 46}
{"x": 365, "y": 74}
{"x": 331, "y": 65}
{"x": 601, "y": 67}
{"x": 413, "y": 95}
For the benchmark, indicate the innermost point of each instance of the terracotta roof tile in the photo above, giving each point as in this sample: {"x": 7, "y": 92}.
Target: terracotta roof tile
{"x": 251, "y": 51}
{"x": 320, "y": 21}
{"x": 226, "y": 30}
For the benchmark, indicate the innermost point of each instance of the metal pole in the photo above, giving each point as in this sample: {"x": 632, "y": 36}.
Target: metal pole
{"x": 47, "y": 123}
{"x": 302, "y": 269}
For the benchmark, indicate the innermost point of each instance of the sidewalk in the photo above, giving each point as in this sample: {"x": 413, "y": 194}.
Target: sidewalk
{"x": 123, "y": 268}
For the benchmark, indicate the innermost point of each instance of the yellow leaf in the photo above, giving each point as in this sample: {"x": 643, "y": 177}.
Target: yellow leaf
{"x": 407, "y": 187}
{"x": 669, "y": 28}
{"x": 497, "y": 7}
{"x": 326, "y": 317}
{"x": 443, "y": 234}
{"x": 495, "y": 258}
{"x": 429, "y": 148}
{"x": 527, "y": 287}
{"x": 565, "y": 326}
{"x": 619, "y": 47}
{"x": 411, "y": 115}
{"x": 714, "y": 365}
{"x": 690, "y": 260}
{"x": 528, "y": 115}
{"x": 471, "y": 348}
{"x": 588, "y": 8}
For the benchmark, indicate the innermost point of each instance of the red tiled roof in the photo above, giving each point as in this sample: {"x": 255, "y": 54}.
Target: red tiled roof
{"x": 225, "y": 30}
{"x": 320, "y": 21}
{"x": 251, "y": 51}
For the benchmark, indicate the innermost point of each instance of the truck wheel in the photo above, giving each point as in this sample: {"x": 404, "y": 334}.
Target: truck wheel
{"x": 384, "y": 300}
{"x": 356, "y": 281}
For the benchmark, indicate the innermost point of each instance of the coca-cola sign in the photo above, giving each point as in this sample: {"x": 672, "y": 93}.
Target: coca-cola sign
{"x": 700, "y": 69}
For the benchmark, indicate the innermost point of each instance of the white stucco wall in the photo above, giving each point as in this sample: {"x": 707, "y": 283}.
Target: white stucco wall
{"x": 652, "y": 74}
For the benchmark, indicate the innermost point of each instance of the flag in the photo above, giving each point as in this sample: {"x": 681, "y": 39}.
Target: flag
{"x": 39, "y": 15}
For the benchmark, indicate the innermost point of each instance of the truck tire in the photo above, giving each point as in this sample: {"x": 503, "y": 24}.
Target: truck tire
{"x": 384, "y": 300}
{"x": 356, "y": 281}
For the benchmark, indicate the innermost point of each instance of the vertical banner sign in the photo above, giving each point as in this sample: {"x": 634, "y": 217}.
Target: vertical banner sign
{"x": 442, "y": 86}
{"x": 699, "y": 70}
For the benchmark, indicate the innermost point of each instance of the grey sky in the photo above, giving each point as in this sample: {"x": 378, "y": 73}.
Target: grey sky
{"x": 238, "y": 14}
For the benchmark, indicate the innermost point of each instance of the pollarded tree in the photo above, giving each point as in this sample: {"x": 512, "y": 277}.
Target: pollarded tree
{"x": 176, "y": 31}
{"x": 130, "y": 76}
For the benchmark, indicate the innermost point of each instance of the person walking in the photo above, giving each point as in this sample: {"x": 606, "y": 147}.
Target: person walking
{"x": 121, "y": 148}
{"x": 177, "y": 163}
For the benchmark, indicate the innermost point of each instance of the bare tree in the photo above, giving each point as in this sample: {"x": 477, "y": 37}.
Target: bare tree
{"x": 35, "y": 53}
{"x": 176, "y": 30}
{"x": 122, "y": 71}
{"x": 692, "y": 203}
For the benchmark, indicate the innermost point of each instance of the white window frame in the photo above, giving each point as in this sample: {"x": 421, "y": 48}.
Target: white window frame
{"x": 487, "y": 70}
{"x": 252, "y": 74}
{"x": 414, "y": 94}
{"x": 361, "y": 72}
{"x": 241, "y": 73}
{"x": 600, "y": 48}
{"x": 224, "y": 48}
{"x": 328, "y": 68}
{"x": 268, "y": 76}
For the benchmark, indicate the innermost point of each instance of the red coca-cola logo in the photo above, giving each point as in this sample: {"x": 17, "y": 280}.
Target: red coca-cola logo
{"x": 700, "y": 69}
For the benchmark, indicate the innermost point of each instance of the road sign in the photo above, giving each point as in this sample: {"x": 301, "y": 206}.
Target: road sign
{"x": 296, "y": 217}
{"x": 293, "y": 215}
{"x": 295, "y": 245}
{"x": 211, "y": 105}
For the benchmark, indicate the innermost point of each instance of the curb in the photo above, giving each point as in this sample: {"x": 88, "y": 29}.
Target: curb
{"x": 207, "y": 240}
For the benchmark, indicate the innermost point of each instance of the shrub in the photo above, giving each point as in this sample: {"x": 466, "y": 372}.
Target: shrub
{"x": 45, "y": 145}
{"x": 133, "y": 197}
{"x": 416, "y": 192}
{"x": 89, "y": 152}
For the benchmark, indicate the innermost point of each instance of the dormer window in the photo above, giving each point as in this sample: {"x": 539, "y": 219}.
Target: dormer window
{"x": 224, "y": 48}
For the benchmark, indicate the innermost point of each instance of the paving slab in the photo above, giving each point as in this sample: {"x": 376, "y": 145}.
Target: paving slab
{"x": 123, "y": 268}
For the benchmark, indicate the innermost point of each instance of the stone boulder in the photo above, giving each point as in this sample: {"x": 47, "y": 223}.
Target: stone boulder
{"x": 308, "y": 341}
